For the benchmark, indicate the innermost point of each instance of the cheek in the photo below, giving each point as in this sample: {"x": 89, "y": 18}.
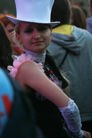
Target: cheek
{"x": 20, "y": 38}
{"x": 49, "y": 37}
{"x": 25, "y": 41}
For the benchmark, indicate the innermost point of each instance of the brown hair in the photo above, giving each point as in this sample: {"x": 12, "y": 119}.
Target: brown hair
{"x": 78, "y": 17}
{"x": 61, "y": 11}
{"x": 5, "y": 21}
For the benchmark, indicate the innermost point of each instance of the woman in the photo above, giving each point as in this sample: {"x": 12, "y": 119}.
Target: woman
{"x": 9, "y": 29}
{"x": 33, "y": 31}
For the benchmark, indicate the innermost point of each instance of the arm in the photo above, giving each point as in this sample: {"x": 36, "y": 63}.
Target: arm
{"x": 29, "y": 74}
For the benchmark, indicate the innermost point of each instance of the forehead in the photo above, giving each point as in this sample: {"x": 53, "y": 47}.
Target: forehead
{"x": 9, "y": 26}
{"x": 27, "y": 24}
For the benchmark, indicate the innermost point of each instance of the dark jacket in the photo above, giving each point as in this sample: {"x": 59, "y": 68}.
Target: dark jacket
{"x": 48, "y": 116}
{"x": 73, "y": 55}
{"x": 21, "y": 122}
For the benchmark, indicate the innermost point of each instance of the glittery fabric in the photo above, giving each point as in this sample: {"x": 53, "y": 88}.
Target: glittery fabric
{"x": 72, "y": 118}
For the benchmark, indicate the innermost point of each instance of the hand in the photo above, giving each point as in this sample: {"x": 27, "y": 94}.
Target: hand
{"x": 86, "y": 134}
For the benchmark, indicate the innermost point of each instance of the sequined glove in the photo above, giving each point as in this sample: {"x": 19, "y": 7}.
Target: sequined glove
{"x": 72, "y": 117}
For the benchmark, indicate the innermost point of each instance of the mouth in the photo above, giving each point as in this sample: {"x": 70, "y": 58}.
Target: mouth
{"x": 37, "y": 42}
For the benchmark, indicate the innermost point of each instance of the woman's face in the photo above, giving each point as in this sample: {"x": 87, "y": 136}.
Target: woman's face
{"x": 34, "y": 37}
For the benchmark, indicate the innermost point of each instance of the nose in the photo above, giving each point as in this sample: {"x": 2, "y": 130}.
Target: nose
{"x": 36, "y": 34}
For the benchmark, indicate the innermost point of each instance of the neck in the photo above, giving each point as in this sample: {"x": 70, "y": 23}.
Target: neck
{"x": 39, "y": 57}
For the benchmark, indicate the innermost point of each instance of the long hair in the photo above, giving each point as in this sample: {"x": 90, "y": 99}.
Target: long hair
{"x": 5, "y": 49}
{"x": 78, "y": 17}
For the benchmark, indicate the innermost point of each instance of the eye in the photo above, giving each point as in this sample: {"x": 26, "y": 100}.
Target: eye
{"x": 42, "y": 28}
{"x": 10, "y": 30}
{"x": 30, "y": 30}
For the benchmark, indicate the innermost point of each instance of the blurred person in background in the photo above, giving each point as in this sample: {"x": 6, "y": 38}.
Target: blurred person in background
{"x": 89, "y": 20}
{"x": 9, "y": 29}
{"x": 78, "y": 17}
{"x": 91, "y": 6}
{"x": 17, "y": 115}
{"x": 83, "y": 6}
{"x": 5, "y": 49}
{"x": 71, "y": 47}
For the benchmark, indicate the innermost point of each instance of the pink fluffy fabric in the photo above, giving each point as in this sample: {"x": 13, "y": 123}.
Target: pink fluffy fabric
{"x": 19, "y": 61}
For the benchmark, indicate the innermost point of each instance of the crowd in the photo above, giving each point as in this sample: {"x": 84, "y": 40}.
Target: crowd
{"x": 45, "y": 71}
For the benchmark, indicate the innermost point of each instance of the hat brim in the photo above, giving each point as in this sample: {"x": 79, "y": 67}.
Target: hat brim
{"x": 15, "y": 21}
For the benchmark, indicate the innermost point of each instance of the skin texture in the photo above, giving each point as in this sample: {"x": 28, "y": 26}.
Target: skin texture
{"x": 34, "y": 37}
{"x": 52, "y": 92}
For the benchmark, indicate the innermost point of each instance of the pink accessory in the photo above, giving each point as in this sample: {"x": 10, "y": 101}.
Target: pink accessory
{"x": 21, "y": 59}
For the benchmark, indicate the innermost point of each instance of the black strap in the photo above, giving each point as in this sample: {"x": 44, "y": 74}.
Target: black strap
{"x": 64, "y": 58}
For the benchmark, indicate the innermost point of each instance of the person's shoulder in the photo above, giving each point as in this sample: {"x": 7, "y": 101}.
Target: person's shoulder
{"x": 89, "y": 19}
{"x": 25, "y": 66}
{"x": 83, "y": 31}
{"x": 22, "y": 63}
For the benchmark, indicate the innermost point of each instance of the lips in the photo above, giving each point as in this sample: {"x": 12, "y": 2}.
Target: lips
{"x": 37, "y": 42}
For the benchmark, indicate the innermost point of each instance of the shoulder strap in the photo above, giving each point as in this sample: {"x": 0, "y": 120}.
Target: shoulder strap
{"x": 64, "y": 58}
{"x": 50, "y": 60}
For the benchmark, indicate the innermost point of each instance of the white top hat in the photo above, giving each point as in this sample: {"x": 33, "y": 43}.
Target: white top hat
{"x": 34, "y": 11}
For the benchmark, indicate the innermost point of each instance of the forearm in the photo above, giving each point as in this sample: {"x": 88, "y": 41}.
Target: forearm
{"x": 72, "y": 117}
